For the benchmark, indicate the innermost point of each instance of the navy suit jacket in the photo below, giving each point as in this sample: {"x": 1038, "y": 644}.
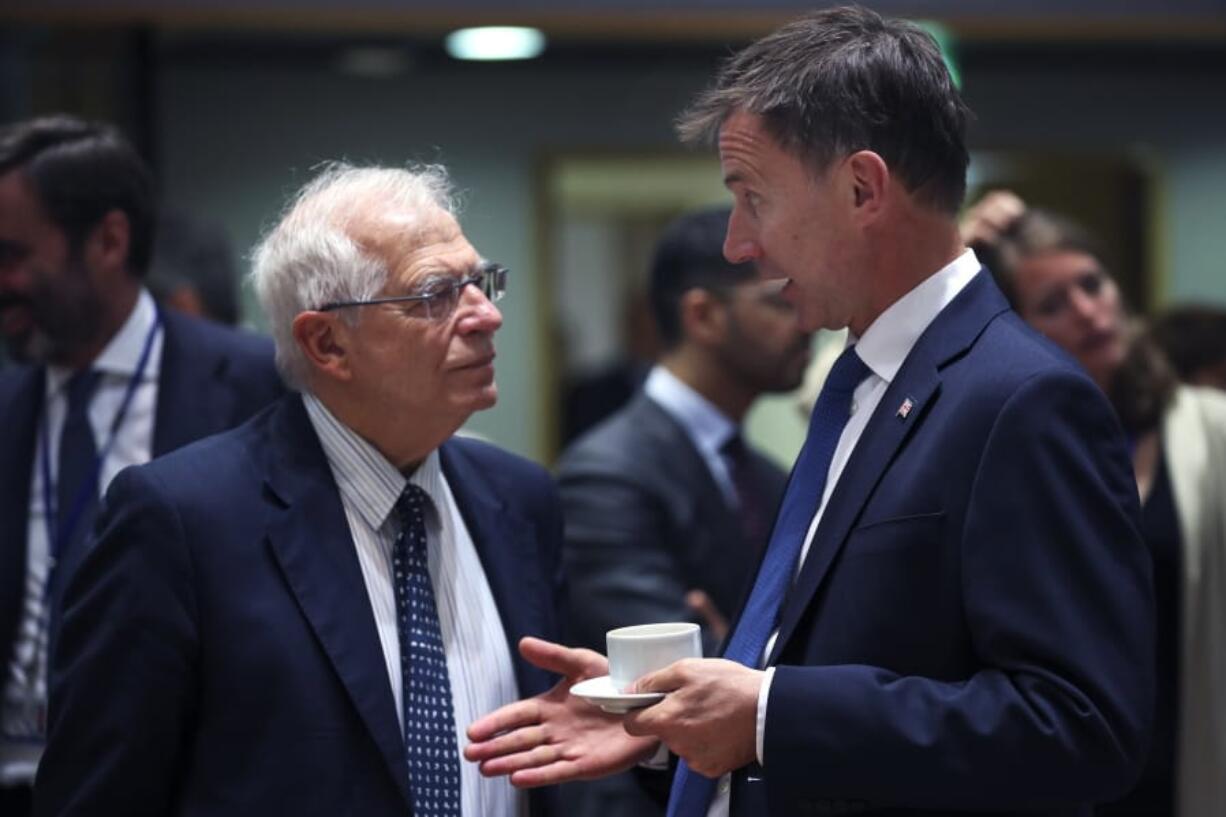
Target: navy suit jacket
{"x": 218, "y": 654}
{"x": 211, "y": 378}
{"x": 972, "y": 629}
{"x": 646, "y": 522}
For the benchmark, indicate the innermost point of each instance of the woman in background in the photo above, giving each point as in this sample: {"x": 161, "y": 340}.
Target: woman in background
{"x": 1053, "y": 274}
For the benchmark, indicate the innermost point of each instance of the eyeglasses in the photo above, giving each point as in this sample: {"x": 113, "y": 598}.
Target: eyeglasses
{"x": 437, "y": 299}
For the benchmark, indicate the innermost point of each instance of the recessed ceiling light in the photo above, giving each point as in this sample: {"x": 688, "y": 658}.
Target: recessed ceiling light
{"x": 495, "y": 43}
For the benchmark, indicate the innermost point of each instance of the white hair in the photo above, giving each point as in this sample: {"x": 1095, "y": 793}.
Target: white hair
{"x": 309, "y": 259}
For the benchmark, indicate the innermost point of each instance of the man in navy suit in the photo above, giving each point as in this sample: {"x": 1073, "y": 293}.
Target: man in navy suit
{"x": 954, "y": 612}
{"x": 99, "y": 367}
{"x": 302, "y": 615}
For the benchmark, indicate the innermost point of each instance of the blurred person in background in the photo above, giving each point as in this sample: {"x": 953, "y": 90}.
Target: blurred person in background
{"x": 667, "y": 507}
{"x": 1193, "y": 338}
{"x": 105, "y": 379}
{"x": 1053, "y": 272}
{"x": 193, "y": 269}
{"x": 590, "y": 396}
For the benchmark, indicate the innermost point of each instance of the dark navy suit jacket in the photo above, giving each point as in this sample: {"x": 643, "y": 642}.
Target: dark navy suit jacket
{"x": 211, "y": 378}
{"x": 972, "y": 630}
{"x": 218, "y": 654}
{"x": 646, "y": 521}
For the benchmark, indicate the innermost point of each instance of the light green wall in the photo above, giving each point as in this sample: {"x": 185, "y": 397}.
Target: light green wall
{"x": 236, "y": 143}
{"x": 233, "y": 142}
{"x": 1195, "y": 225}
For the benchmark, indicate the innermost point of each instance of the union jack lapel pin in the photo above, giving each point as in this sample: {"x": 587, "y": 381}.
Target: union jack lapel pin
{"x": 905, "y": 408}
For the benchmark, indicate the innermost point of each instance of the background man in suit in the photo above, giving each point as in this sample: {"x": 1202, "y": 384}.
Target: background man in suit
{"x": 107, "y": 381}
{"x": 954, "y": 612}
{"x": 665, "y": 497}
{"x": 667, "y": 509}
{"x": 300, "y": 616}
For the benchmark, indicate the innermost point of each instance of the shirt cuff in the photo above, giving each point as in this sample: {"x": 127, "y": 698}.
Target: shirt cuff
{"x": 658, "y": 761}
{"x": 763, "y": 693}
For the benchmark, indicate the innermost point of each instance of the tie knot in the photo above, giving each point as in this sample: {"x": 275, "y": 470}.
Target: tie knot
{"x": 734, "y": 447}
{"x": 411, "y": 505}
{"x": 80, "y": 389}
{"x": 847, "y": 373}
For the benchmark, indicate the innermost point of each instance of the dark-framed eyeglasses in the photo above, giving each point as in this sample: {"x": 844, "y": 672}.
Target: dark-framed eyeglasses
{"x": 437, "y": 299}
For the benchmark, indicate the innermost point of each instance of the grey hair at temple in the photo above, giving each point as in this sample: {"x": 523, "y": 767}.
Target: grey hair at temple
{"x": 309, "y": 258}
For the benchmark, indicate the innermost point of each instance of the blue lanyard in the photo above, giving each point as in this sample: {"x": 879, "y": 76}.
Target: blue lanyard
{"x": 57, "y": 537}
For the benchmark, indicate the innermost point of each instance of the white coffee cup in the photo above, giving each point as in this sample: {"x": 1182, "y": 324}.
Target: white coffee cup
{"x": 635, "y": 651}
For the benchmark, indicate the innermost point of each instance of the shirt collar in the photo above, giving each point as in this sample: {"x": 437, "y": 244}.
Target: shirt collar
{"x": 367, "y": 482}
{"x": 709, "y": 427}
{"x": 122, "y": 355}
{"x": 890, "y": 338}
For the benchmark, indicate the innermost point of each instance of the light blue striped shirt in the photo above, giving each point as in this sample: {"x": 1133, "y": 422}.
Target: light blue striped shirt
{"x": 478, "y": 656}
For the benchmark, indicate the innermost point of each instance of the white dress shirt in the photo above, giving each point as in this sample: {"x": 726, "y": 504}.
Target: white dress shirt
{"x": 478, "y": 656}
{"x": 708, "y": 427}
{"x": 25, "y": 679}
{"x": 883, "y": 348}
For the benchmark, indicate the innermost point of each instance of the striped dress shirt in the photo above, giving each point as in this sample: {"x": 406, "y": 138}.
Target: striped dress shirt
{"x": 478, "y": 656}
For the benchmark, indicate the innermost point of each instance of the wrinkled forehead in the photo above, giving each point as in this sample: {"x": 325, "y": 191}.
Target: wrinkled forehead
{"x": 415, "y": 243}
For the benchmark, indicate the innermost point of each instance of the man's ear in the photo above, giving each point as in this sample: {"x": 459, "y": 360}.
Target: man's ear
{"x": 868, "y": 177}
{"x": 704, "y": 317}
{"x": 108, "y": 244}
{"x": 324, "y": 340}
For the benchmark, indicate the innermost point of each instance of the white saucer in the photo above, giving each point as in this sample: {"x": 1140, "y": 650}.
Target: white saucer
{"x": 601, "y": 692}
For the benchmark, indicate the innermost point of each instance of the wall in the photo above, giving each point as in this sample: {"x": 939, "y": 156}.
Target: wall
{"x": 235, "y": 143}
{"x": 235, "y": 140}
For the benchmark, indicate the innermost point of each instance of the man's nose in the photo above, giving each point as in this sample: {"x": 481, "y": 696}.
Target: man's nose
{"x": 477, "y": 312}
{"x": 739, "y": 244}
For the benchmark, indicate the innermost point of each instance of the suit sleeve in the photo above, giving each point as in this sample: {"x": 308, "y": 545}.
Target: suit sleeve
{"x": 621, "y": 560}
{"x": 122, "y": 677}
{"x": 1058, "y": 604}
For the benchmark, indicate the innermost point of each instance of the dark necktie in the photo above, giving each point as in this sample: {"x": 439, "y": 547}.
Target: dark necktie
{"x": 76, "y": 478}
{"x": 429, "y": 719}
{"x": 751, "y": 505}
{"x": 691, "y": 792}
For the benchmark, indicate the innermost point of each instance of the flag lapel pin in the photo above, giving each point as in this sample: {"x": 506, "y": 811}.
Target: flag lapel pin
{"x": 905, "y": 408}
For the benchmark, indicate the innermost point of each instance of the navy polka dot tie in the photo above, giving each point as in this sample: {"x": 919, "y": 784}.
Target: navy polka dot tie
{"x": 429, "y": 720}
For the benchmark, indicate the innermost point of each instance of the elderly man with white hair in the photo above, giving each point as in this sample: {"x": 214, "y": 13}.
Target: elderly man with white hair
{"x": 303, "y": 615}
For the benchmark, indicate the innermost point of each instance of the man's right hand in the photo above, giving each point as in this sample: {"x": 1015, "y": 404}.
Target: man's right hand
{"x": 555, "y": 737}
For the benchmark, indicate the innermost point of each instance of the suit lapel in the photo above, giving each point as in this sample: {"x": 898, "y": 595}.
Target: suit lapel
{"x": 695, "y": 472}
{"x": 310, "y": 539}
{"x": 507, "y": 547}
{"x": 901, "y": 412}
{"x": 189, "y": 403}
{"x": 18, "y": 426}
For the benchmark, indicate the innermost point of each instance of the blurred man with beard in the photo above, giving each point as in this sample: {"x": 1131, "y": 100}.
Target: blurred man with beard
{"x": 666, "y": 506}
{"x": 104, "y": 380}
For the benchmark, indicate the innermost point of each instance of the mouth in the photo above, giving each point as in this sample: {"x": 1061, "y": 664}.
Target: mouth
{"x": 775, "y": 286}
{"x": 485, "y": 361}
{"x": 1097, "y": 341}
